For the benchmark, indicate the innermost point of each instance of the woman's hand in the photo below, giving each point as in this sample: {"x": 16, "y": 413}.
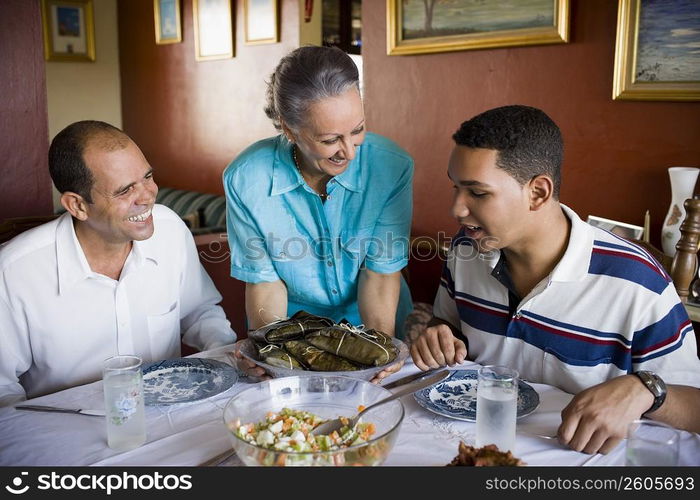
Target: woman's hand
{"x": 247, "y": 366}
{"x": 386, "y": 372}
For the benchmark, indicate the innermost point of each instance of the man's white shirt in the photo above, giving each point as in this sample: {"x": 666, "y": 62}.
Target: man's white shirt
{"x": 59, "y": 320}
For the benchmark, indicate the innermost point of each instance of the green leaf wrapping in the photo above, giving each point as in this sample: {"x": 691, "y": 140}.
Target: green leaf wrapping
{"x": 371, "y": 347}
{"x": 292, "y": 328}
{"x": 317, "y": 359}
{"x": 276, "y": 356}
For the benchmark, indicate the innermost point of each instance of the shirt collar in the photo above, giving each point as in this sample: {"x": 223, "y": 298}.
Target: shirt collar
{"x": 286, "y": 177}
{"x": 73, "y": 266}
{"x": 574, "y": 265}
{"x": 145, "y": 250}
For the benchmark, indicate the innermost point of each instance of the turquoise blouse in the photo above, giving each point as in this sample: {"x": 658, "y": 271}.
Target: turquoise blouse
{"x": 279, "y": 229}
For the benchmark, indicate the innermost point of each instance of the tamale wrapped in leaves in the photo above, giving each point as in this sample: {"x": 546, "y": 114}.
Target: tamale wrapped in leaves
{"x": 317, "y": 359}
{"x": 289, "y": 329}
{"x": 370, "y": 347}
{"x": 276, "y": 356}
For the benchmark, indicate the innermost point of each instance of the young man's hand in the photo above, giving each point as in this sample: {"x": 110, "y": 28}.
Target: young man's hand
{"x": 596, "y": 420}
{"x": 437, "y": 347}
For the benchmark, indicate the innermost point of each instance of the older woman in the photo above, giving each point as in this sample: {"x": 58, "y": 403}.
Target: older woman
{"x": 319, "y": 216}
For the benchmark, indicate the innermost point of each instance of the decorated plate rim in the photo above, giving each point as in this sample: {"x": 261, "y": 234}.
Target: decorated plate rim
{"x": 422, "y": 397}
{"x": 229, "y": 373}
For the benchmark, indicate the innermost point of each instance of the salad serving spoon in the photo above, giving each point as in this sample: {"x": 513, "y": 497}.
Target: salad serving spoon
{"x": 336, "y": 424}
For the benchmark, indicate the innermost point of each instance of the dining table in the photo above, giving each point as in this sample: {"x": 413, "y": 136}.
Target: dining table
{"x": 193, "y": 433}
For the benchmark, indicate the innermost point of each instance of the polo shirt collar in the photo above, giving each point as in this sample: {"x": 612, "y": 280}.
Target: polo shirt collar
{"x": 574, "y": 265}
{"x": 286, "y": 177}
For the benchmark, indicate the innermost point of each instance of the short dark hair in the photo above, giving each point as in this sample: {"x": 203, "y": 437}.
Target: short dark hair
{"x": 528, "y": 142}
{"x": 67, "y": 166}
{"x": 304, "y": 76}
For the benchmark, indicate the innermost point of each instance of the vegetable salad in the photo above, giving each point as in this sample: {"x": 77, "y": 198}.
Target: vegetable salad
{"x": 290, "y": 431}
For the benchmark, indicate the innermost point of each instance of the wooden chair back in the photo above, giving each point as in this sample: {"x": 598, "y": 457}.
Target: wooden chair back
{"x": 683, "y": 266}
{"x": 685, "y": 262}
{"x": 9, "y": 228}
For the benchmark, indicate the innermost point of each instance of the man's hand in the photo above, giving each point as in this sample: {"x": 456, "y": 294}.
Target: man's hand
{"x": 437, "y": 347}
{"x": 247, "y": 366}
{"x": 386, "y": 372}
{"x": 596, "y": 420}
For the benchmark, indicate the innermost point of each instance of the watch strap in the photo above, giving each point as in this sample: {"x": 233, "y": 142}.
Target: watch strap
{"x": 655, "y": 385}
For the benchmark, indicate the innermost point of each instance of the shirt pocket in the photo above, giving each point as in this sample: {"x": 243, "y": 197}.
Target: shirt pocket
{"x": 164, "y": 332}
{"x": 575, "y": 375}
{"x": 356, "y": 243}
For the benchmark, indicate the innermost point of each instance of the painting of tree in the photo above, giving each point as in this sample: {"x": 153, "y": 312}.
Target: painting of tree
{"x": 418, "y": 26}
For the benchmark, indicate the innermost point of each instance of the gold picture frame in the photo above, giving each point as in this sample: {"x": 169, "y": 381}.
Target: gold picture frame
{"x": 261, "y": 20}
{"x": 647, "y": 70}
{"x": 69, "y": 30}
{"x": 166, "y": 17}
{"x": 213, "y": 29}
{"x": 415, "y": 27}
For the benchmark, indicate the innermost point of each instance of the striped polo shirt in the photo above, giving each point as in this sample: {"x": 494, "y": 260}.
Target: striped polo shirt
{"x": 607, "y": 309}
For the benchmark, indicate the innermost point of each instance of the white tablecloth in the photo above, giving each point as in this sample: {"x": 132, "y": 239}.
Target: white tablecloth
{"x": 191, "y": 433}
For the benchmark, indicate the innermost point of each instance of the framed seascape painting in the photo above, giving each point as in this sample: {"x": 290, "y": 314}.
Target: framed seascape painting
{"x": 425, "y": 26}
{"x": 261, "y": 21}
{"x": 213, "y": 29}
{"x": 166, "y": 14}
{"x": 657, "y": 51}
{"x": 69, "y": 30}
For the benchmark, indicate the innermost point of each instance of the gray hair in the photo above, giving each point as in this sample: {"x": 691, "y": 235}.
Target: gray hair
{"x": 304, "y": 76}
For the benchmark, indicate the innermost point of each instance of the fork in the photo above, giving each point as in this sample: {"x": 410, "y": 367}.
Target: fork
{"x": 336, "y": 424}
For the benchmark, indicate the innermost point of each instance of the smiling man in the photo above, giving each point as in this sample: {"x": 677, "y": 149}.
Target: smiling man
{"x": 530, "y": 286}
{"x": 115, "y": 274}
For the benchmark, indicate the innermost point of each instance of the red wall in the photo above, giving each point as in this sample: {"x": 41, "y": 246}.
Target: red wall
{"x": 616, "y": 152}
{"x": 192, "y": 118}
{"x": 24, "y": 136}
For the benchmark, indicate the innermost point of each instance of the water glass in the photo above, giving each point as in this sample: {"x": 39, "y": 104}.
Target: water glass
{"x": 124, "y": 406}
{"x": 496, "y": 407}
{"x": 651, "y": 443}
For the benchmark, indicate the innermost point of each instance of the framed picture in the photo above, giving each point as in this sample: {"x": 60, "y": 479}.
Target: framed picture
{"x": 69, "y": 30}
{"x": 628, "y": 231}
{"x": 213, "y": 29}
{"x": 425, "y": 26}
{"x": 657, "y": 52}
{"x": 166, "y": 14}
{"x": 261, "y": 21}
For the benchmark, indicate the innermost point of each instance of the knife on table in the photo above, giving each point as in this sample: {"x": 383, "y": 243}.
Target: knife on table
{"x": 90, "y": 413}
{"x": 415, "y": 376}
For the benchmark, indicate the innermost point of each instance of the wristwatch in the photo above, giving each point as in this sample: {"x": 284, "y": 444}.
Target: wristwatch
{"x": 655, "y": 385}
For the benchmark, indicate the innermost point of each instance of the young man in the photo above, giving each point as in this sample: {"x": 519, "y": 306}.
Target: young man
{"x": 530, "y": 286}
{"x": 115, "y": 274}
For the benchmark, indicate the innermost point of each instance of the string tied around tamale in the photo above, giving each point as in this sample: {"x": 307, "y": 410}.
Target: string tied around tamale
{"x": 363, "y": 334}
{"x": 271, "y": 347}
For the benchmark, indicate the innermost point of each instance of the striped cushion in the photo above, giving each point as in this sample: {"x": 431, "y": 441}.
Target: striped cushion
{"x": 185, "y": 203}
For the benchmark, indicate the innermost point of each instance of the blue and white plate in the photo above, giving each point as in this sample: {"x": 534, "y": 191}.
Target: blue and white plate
{"x": 183, "y": 380}
{"x": 455, "y": 397}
